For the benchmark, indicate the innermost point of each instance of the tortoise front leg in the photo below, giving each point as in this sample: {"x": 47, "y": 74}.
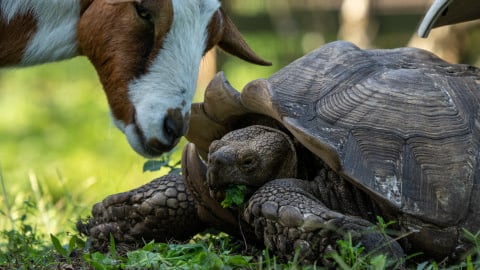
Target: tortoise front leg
{"x": 161, "y": 210}
{"x": 287, "y": 217}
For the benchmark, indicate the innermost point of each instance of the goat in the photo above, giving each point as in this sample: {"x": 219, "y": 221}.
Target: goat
{"x": 146, "y": 54}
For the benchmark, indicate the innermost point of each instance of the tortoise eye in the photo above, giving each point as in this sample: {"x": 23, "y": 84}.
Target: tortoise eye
{"x": 143, "y": 13}
{"x": 249, "y": 162}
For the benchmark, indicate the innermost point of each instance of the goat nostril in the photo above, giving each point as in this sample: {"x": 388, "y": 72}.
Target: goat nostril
{"x": 169, "y": 127}
{"x": 173, "y": 127}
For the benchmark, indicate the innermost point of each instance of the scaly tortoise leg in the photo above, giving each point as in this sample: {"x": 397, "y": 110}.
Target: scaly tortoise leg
{"x": 287, "y": 217}
{"x": 161, "y": 210}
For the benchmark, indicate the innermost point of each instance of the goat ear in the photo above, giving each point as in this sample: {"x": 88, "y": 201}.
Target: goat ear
{"x": 233, "y": 42}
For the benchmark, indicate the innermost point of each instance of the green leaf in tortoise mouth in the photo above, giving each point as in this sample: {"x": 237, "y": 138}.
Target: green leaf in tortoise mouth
{"x": 234, "y": 195}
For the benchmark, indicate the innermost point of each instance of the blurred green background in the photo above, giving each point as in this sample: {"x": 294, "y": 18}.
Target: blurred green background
{"x": 60, "y": 151}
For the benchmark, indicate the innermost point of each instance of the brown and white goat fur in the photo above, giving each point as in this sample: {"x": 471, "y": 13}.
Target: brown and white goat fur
{"x": 146, "y": 53}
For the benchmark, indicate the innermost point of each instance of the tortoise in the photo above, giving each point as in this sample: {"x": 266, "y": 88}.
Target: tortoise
{"x": 365, "y": 133}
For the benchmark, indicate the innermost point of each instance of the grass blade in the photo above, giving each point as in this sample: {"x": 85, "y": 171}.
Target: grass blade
{"x": 7, "y": 203}
{"x": 58, "y": 247}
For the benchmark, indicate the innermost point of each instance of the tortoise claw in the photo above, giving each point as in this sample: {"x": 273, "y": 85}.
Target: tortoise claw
{"x": 209, "y": 210}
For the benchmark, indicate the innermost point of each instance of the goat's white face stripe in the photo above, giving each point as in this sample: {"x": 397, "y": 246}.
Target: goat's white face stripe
{"x": 56, "y": 25}
{"x": 171, "y": 80}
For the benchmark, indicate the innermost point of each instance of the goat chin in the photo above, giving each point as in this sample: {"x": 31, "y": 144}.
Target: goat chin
{"x": 146, "y": 53}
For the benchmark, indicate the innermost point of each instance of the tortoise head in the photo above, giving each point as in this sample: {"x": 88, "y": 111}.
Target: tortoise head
{"x": 250, "y": 156}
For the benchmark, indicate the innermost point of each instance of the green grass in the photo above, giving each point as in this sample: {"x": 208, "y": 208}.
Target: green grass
{"x": 25, "y": 246}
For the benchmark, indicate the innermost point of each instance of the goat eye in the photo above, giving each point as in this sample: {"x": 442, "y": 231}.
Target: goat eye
{"x": 143, "y": 13}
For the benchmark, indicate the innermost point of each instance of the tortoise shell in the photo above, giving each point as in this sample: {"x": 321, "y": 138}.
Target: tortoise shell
{"x": 401, "y": 124}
